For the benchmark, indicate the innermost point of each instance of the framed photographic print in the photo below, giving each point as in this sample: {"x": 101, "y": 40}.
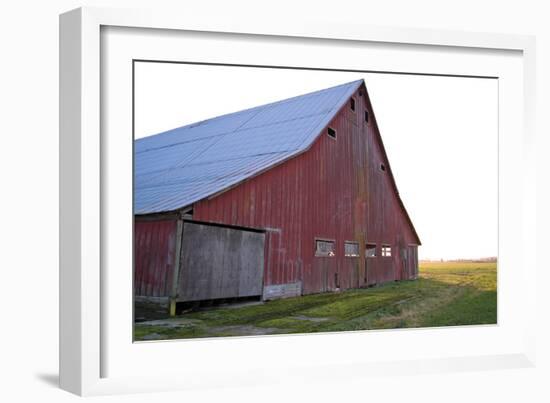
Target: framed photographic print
{"x": 279, "y": 202}
{"x": 239, "y": 200}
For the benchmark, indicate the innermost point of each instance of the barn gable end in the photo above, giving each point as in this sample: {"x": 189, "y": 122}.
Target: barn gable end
{"x": 322, "y": 206}
{"x": 332, "y": 191}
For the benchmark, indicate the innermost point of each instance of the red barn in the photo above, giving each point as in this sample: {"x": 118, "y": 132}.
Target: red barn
{"x": 290, "y": 198}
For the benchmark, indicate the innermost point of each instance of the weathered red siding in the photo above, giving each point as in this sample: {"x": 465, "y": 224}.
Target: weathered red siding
{"x": 387, "y": 223}
{"x": 333, "y": 191}
{"x": 154, "y": 249}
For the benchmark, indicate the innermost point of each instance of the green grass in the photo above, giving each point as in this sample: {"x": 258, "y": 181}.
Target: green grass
{"x": 446, "y": 294}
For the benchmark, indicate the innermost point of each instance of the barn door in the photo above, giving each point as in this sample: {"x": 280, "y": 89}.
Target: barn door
{"x": 220, "y": 262}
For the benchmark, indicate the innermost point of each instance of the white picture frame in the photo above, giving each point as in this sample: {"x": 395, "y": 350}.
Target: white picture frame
{"x": 88, "y": 325}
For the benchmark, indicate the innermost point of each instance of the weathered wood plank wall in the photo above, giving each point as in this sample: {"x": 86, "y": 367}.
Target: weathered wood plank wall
{"x": 219, "y": 262}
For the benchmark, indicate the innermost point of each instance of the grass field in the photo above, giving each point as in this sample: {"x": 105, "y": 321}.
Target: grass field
{"x": 446, "y": 294}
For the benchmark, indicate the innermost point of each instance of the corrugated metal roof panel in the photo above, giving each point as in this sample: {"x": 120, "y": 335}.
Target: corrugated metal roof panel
{"x": 182, "y": 166}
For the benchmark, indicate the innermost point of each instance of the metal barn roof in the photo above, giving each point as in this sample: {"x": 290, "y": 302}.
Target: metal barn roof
{"x": 177, "y": 168}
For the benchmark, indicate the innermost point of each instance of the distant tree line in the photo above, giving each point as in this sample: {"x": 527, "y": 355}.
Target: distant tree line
{"x": 491, "y": 259}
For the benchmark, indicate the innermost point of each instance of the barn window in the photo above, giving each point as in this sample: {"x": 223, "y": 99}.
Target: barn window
{"x": 331, "y": 132}
{"x": 324, "y": 247}
{"x": 386, "y": 250}
{"x": 367, "y": 116}
{"x": 370, "y": 250}
{"x": 351, "y": 249}
{"x": 352, "y": 104}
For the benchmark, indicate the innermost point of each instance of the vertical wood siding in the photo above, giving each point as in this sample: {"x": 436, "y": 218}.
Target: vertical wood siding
{"x": 154, "y": 249}
{"x": 386, "y": 221}
{"x": 220, "y": 262}
{"x": 334, "y": 191}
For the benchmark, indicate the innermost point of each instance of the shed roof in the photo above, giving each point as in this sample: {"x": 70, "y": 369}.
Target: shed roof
{"x": 177, "y": 168}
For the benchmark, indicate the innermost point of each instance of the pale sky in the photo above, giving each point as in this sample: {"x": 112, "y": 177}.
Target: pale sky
{"x": 440, "y": 134}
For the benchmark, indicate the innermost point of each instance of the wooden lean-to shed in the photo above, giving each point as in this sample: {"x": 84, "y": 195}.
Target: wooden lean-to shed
{"x": 290, "y": 198}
